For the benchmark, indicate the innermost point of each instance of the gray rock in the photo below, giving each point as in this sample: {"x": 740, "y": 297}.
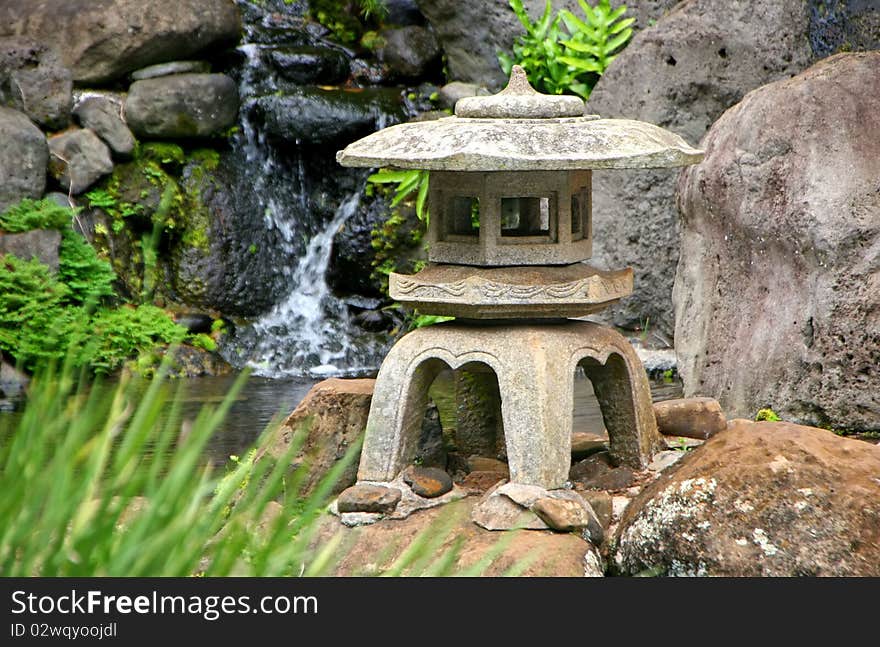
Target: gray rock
{"x": 316, "y": 116}
{"x": 472, "y": 33}
{"x": 310, "y": 65}
{"x": 409, "y": 52}
{"x": 403, "y": 12}
{"x": 182, "y": 105}
{"x": 23, "y": 158}
{"x": 61, "y": 199}
{"x": 665, "y": 459}
{"x": 521, "y": 494}
{"x": 103, "y": 116}
{"x": 172, "y": 67}
{"x": 498, "y": 512}
{"x": 776, "y": 291}
{"x": 428, "y": 482}
{"x": 762, "y": 499}
{"x": 452, "y": 92}
{"x": 78, "y": 159}
{"x": 368, "y": 498}
{"x": 101, "y": 40}
{"x": 41, "y": 244}
{"x": 682, "y": 74}
{"x": 690, "y": 417}
{"x": 12, "y": 381}
{"x": 33, "y": 80}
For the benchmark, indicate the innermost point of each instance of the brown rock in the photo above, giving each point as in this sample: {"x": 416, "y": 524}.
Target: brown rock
{"x": 690, "y": 417}
{"x": 619, "y": 478}
{"x": 601, "y": 504}
{"x": 797, "y": 230}
{"x": 333, "y": 416}
{"x": 564, "y": 515}
{"x": 760, "y": 499}
{"x": 495, "y": 511}
{"x": 368, "y": 498}
{"x": 428, "y": 482}
{"x": 484, "y": 464}
{"x": 584, "y": 444}
{"x": 372, "y": 549}
{"x": 590, "y": 468}
{"x": 480, "y": 481}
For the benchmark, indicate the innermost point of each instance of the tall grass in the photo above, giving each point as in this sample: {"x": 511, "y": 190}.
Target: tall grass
{"x": 104, "y": 480}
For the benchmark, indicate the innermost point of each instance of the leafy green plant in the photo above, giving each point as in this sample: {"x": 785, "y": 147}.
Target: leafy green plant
{"x": 562, "y": 53}
{"x": 767, "y": 414}
{"x": 100, "y": 480}
{"x": 409, "y": 183}
{"x": 35, "y": 214}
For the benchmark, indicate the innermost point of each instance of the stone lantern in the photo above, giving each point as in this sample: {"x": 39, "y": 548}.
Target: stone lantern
{"x": 510, "y": 206}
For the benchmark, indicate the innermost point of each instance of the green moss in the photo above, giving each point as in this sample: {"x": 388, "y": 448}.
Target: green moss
{"x": 35, "y": 214}
{"x": 168, "y": 155}
{"x": 767, "y": 414}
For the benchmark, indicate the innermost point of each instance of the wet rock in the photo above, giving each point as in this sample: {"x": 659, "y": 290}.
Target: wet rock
{"x": 333, "y": 415}
{"x": 182, "y": 105}
{"x": 452, "y": 92}
{"x": 403, "y": 12}
{"x": 101, "y": 40}
{"x": 368, "y": 498}
{"x": 78, "y": 159}
{"x": 23, "y": 158}
{"x": 310, "y": 65}
{"x": 34, "y": 81}
{"x": 372, "y": 320}
{"x": 316, "y": 116}
{"x": 584, "y": 444}
{"x": 762, "y": 499}
{"x": 103, "y": 116}
{"x": 41, "y": 244}
{"x": 796, "y": 230}
{"x": 372, "y": 549}
{"x": 189, "y": 361}
{"x": 195, "y": 322}
{"x": 690, "y": 417}
{"x": 698, "y": 60}
{"x": 428, "y": 482}
{"x": 172, "y": 67}
{"x": 409, "y": 52}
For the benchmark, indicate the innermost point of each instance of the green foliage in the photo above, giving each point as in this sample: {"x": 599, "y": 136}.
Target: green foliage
{"x": 348, "y": 20}
{"x": 88, "y": 278}
{"x": 35, "y": 214}
{"x": 767, "y": 414}
{"x": 203, "y": 341}
{"x": 409, "y": 183}
{"x": 101, "y": 481}
{"x": 562, "y": 53}
{"x": 420, "y": 321}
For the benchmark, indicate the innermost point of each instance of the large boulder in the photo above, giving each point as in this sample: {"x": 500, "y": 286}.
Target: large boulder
{"x": 33, "y": 80}
{"x": 374, "y": 549}
{"x": 24, "y": 156}
{"x": 409, "y": 52}
{"x": 101, "y": 40}
{"x": 472, "y": 33}
{"x": 333, "y": 416}
{"x": 78, "y": 159}
{"x": 682, "y": 74}
{"x": 760, "y": 499}
{"x": 776, "y": 294}
{"x": 182, "y": 105}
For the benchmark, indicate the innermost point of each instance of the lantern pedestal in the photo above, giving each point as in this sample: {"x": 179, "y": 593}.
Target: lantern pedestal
{"x": 535, "y": 366}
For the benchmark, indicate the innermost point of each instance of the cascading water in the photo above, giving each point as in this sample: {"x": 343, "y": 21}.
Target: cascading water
{"x": 309, "y": 331}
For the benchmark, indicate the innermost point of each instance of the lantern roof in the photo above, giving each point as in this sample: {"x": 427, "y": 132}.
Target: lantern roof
{"x": 520, "y": 129}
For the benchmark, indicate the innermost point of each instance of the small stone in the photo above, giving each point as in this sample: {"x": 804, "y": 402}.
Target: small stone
{"x": 618, "y": 506}
{"x": 617, "y": 479}
{"x": 601, "y": 503}
{"x": 452, "y": 92}
{"x": 590, "y": 468}
{"x": 524, "y": 495}
{"x": 78, "y": 158}
{"x": 172, "y": 67}
{"x": 103, "y": 116}
{"x": 481, "y": 481}
{"x": 561, "y": 514}
{"x": 662, "y": 460}
{"x": 690, "y": 417}
{"x": 498, "y": 512}
{"x": 428, "y": 482}
{"x": 364, "y": 497}
{"x": 584, "y": 444}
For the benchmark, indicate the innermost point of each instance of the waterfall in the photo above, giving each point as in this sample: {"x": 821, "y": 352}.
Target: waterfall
{"x": 309, "y": 330}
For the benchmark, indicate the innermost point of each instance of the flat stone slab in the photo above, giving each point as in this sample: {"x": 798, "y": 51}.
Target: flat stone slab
{"x": 511, "y": 292}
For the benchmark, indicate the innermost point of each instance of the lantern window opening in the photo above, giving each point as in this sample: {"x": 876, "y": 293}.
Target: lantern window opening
{"x": 462, "y": 218}
{"x": 528, "y": 219}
